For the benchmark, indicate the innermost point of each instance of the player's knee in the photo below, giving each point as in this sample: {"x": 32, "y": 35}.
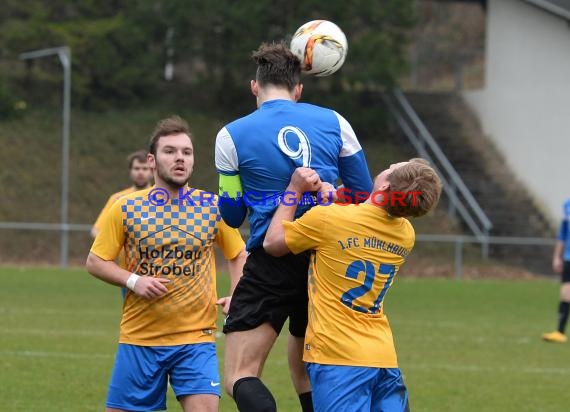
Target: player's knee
{"x": 565, "y": 292}
{"x": 229, "y": 382}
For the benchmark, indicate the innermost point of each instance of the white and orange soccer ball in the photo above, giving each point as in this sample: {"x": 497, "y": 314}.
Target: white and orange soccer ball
{"x": 321, "y": 46}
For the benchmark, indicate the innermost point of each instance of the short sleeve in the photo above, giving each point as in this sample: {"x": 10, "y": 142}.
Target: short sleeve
{"x": 306, "y": 232}
{"x": 111, "y": 238}
{"x": 226, "y": 154}
{"x": 229, "y": 240}
{"x": 99, "y": 222}
{"x": 350, "y": 143}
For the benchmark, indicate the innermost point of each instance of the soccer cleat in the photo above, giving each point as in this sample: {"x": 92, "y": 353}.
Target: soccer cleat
{"x": 555, "y": 337}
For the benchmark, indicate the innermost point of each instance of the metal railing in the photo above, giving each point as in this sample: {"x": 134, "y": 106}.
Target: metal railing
{"x": 459, "y": 241}
{"x": 460, "y": 197}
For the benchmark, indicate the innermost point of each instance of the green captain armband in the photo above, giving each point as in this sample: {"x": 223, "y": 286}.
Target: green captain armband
{"x": 230, "y": 186}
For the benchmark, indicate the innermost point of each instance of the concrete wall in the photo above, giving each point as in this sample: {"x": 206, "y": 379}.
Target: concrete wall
{"x": 525, "y": 106}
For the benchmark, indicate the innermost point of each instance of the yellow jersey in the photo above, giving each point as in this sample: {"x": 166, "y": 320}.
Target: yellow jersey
{"x": 112, "y": 199}
{"x": 357, "y": 251}
{"x": 173, "y": 241}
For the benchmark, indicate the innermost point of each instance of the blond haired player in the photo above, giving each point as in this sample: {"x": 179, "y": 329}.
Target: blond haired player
{"x": 358, "y": 249}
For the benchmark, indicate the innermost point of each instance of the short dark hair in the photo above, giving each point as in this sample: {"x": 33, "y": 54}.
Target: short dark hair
{"x": 139, "y": 155}
{"x": 415, "y": 177}
{"x": 277, "y": 65}
{"x": 168, "y": 127}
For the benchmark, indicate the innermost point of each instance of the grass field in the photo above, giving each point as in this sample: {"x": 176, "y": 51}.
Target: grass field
{"x": 463, "y": 346}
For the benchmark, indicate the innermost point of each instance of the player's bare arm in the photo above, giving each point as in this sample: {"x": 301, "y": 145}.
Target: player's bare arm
{"x": 235, "y": 270}
{"x": 303, "y": 180}
{"x": 108, "y": 271}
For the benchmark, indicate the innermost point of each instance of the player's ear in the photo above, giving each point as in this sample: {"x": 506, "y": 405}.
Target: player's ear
{"x": 254, "y": 88}
{"x": 298, "y": 91}
{"x": 384, "y": 187}
{"x": 151, "y": 161}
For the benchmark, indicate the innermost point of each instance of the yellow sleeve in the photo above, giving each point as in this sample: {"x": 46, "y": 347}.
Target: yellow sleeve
{"x": 99, "y": 222}
{"x": 229, "y": 240}
{"x": 307, "y": 232}
{"x": 111, "y": 239}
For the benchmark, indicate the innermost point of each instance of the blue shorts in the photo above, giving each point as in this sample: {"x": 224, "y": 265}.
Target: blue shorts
{"x": 141, "y": 373}
{"x": 357, "y": 388}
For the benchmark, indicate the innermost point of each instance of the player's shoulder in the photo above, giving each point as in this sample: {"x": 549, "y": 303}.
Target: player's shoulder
{"x": 251, "y": 117}
{"x": 206, "y": 194}
{"x": 397, "y": 224}
{"x": 135, "y": 195}
{"x": 310, "y": 107}
{"x": 127, "y": 191}
{"x": 117, "y": 195}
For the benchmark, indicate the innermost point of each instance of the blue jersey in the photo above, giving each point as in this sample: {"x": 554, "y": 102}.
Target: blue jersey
{"x": 564, "y": 233}
{"x": 265, "y": 147}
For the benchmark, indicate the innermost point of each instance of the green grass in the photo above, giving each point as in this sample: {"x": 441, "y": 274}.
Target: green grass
{"x": 463, "y": 346}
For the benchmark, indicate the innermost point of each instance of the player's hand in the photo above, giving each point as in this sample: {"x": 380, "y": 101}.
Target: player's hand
{"x": 225, "y": 304}
{"x": 557, "y": 264}
{"x": 327, "y": 193}
{"x": 150, "y": 288}
{"x": 305, "y": 179}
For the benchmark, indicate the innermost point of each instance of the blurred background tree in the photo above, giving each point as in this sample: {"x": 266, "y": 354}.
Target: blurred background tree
{"x": 120, "y": 49}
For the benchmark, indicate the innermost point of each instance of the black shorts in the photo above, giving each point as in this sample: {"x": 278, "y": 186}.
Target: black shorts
{"x": 271, "y": 290}
{"x": 566, "y": 272}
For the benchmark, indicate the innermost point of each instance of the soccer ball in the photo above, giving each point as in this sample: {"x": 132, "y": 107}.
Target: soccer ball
{"x": 321, "y": 46}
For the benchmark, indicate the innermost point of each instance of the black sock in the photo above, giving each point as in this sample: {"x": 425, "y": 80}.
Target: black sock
{"x": 563, "y": 310}
{"x": 306, "y": 400}
{"x": 251, "y": 395}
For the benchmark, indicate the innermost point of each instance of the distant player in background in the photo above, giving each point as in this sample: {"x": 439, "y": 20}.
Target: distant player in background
{"x": 255, "y": 157}
{"x": 141, "y": 177}
{"x": 561, "y": 264}
{"x": 358, "y": 249}
{"x": 169, "y": 314}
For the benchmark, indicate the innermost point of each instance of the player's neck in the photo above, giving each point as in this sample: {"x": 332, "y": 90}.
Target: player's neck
{"x": 173, "y": 191}
{"x": 274, "y": 93}
{"x": 137, "y": 187}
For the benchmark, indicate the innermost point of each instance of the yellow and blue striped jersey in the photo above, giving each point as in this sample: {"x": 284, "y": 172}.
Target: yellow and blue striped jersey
{"x": 358, "y": 250}
{"x": 174, "y": 241}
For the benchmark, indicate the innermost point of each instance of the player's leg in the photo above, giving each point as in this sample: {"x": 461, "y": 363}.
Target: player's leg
{"x": 205, "y": 403}
{"x": 297, "y": 369}
{"x": 389, "y": 393}
{"x": 564, "y": 307}
{"x": 341, "y": 388}
{"x": 138, "y": 382}
{"x": 559, "y": 336}
{"x": 245, "y": 355}
{"x": 256, "y": 316}
{"x": 194, "y": 375}
{"x": 298, "y": 320}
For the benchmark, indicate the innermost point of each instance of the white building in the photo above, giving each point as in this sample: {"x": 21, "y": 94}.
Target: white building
{"x": 525, "y": 105}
